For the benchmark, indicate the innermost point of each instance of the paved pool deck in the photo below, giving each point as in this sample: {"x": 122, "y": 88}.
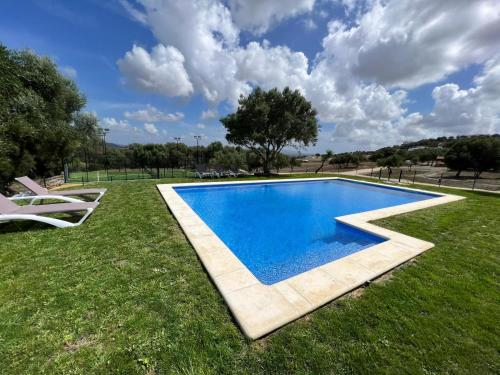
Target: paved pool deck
{"x": 260, "y": 309}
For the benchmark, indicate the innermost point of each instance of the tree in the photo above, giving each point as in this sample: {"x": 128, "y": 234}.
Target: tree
{"x": 281, "y": 161}
{"x": 485, "y": 153}
{"x": 458, "y": 157}
{"x": 268, "y": 121}
{"x": 295, "y": 162}
{"x": 390, "y": 162}
{"x": 211, "y": 149}
{"x": 156, "y": 157}
{"x": 356, "y": 158}
{"x": 229, "y": 158}
{"x": 324, "y": 158}
{"x": 37, "y": 104}
{"x": 478, "y": 153}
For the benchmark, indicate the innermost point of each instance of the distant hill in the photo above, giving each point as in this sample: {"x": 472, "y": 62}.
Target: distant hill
{"x": 444, "y": 142}
{"x": 114, "y": 145}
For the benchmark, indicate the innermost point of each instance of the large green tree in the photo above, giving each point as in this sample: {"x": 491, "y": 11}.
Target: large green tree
{"x": 268, "y": 121}
{"x": 37, "y": 104}
{"x": 479, "y": 154}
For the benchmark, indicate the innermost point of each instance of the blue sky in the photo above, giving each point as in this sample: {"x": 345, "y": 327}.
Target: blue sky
{"x": 375, "y": 77}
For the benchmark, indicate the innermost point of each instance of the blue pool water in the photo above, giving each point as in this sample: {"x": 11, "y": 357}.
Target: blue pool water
{"x": 281, "y": 229}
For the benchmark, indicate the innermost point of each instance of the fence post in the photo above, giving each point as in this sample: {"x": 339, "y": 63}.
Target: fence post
{"x": 380, "y": 173}
{"x": 389, "y": 175}
{"x": 474, "y": 184}
{"x": 440, "y": 179}
{"x": 83, "y": 181}
{"x": 371, "y": 173}
{"x": 400, "y": 173}
{"x": 414, "y": 175}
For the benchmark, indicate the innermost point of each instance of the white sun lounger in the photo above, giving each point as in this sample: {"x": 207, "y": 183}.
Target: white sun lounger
{"x": 9, "y": 211}
{"x": 42, "y": 193}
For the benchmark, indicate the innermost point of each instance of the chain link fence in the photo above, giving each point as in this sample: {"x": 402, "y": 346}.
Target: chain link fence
{"x": 439, "y": 176}
{"x": 111, "y": 169}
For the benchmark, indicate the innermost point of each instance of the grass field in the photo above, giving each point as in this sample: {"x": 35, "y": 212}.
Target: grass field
{"x": 125, "y": 293}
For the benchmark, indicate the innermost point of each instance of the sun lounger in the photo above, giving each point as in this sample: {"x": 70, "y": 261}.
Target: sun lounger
{"x": 40, "y": 191}
{"x": 9, "y": 211}
{"x": 202, "y": 172}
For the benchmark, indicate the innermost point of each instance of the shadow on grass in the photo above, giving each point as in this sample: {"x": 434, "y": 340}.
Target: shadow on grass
{"x": 29, "y": 225}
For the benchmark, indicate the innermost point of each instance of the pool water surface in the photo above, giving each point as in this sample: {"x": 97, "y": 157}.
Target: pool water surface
{"x": 281, "y": 229}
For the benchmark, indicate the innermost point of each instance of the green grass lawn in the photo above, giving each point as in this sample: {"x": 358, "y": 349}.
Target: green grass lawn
{"x": 125, "y": 293}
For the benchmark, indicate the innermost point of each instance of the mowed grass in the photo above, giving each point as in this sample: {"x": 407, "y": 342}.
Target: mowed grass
{"x": 125, "y": 293}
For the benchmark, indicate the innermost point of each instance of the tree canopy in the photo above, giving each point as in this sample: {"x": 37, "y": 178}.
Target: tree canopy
{"x": 37, "y": 105}
{"x": 390, "y": 162}
{"x": 268, "y": 121}
{"x": 479, "y": 154}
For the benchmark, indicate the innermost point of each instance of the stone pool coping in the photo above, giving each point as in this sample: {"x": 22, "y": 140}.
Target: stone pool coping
{"x": 260, "y": 309}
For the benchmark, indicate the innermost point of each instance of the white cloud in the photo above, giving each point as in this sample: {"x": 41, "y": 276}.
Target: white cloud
{"x": 468, "y": 111}
{"x": 134, "y": 13}
{"x": 113, "y": 123}
{"x": 152, "y": 114}
{"x": 408, "y": 43}
{"x": 69, "y": 72}
{"x": 209, "y": 114}
{"x": 200, "y": 126}
{"x": 357, "y": 81}
{"x": 271, "y": 67}
{"x": 151, "y": 128}
{"x": 161, "y": 72}
{"x": 259, "y": 15}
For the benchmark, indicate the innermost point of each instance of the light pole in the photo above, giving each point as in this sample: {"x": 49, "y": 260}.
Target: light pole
{"x": 103, "y": 132}
{"x": 198, "y": 138}
{"x": 177, "y": 140}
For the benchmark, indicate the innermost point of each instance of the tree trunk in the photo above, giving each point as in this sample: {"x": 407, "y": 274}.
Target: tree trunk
{"x": 457, "y": 175}
{"x": 320, "y": 167}
{"x": 265, "y": 167}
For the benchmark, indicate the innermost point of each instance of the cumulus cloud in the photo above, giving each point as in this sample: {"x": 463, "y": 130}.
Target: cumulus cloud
{"x": 161, "y": 71}
{"x": 357, "y": 82}
{"x": 209, "y": 114}
{"x": 468, "y": 111}
{"x": 151, "y": 128}
{"x": 408, "y": 43}
{"x": 152, "y": 114}
{"x": 200, "y": 126}
{"x": 271, "y": 67}
{"x": 259, "y": 15}
{"x": 113, "y": 123}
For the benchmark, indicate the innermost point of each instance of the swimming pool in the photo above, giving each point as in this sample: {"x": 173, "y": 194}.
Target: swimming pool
{"x": 281, "y": 229}
{"x": 278, "y": 249}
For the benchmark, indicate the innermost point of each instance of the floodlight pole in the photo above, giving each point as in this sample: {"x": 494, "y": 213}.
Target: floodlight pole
{"x": 177, "y": 140}
{"x": 197, "y": 137}
{"x": 103, "y": 132}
